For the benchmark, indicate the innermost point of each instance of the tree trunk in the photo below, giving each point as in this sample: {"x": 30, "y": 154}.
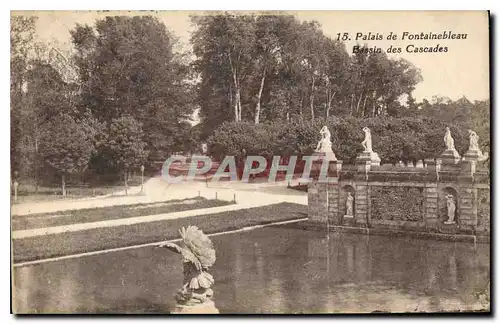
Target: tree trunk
{"x": 312, "y": 99}
{"x": 236, "y": 111}
{"x": 230, "y": 95}
{"x": 257, "y": 107}
{"x": 359, "y": 102}
{"x": 63, "y": 185}
{"x": 289, "y": 104}
{"x": 329, "y": 103}
{"x": 37, "y": 168}
{"x": 364, "y": 104}
{"x": 125, "y": 176}
{"x": 374, "y": 104}
{"x": 352, "y": 102}
{"x": 239, "y": 103}
{"x": 236, "y": 104}
{"x": 300, "y": 106}
{"x": 327, "y": 100}
{"x": 328, "y": 91}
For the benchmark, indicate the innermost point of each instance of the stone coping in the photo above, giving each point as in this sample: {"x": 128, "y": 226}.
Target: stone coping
{"x": 454, "y": 237}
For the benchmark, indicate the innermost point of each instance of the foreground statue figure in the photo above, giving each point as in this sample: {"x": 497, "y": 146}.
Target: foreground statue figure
{"x": 448, "y": 140}
{"x": 325, "y": 144}
{"x": 473, "y": 141}
{"x": 474, "y": 147}
{"x": 368, "y": 156}
{"x": 450, "y": 207}
{"x": 450, "y": 155}
{"x": 367, "y": 142}
{"x": 349, "y": 204}
{"x": 198, "y": 255}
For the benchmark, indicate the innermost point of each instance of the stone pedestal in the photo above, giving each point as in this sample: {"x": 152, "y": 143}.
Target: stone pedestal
{"x": 333, "y": 165}
{"x": 467, "y": 169}
{"x": 450, "y": 157}
{"x": 431, "y": 205}
{"x": 348, "y": 221}
{"x": 371, "y": 157}
{"x": 449, "y": 228}
{"x": 361, "y": 201}
{"x": 330, "y": 156}
{"x": 317, "y": 201}
{"x": 475, "y": 156}
{"x": 204, "y": 308}
{"x": 467, "y": 205}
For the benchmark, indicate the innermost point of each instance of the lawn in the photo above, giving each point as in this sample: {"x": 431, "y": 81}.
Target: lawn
{"x": 113, "y": 212}
{"x": 41, "y": 247}
{"x": 29, "y": 192}
{"x": 26, "y": 194}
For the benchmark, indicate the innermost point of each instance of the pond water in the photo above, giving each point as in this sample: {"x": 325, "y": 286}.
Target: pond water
{"x": 276, "y": 269}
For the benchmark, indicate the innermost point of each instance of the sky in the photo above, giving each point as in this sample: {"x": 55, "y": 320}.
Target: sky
{"x": 463, "y": 70}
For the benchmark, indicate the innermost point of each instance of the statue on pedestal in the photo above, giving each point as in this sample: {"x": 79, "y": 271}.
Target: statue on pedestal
{"x": 450, "y": 207}
{"x": 368, "y": 156}
{"x": 473, "y": 141}
{"x": 448, "y": 140}
{"x": 474, "y": 149}
{"x": 198, "y": 255}
{"x": 349, "y": 204}
{"x": 450, "y": 155}
{"x": 367, "y": 142}
{"x": 325, "y": 144}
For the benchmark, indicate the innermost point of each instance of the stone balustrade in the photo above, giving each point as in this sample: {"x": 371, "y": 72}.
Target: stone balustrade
{"x": 401, "y": 199}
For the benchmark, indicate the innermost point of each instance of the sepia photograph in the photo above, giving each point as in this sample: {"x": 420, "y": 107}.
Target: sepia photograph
{"x": 250, "y": 162}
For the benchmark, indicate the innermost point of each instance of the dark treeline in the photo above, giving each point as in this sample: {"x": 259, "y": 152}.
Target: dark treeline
{"x": 263, "y": 68}
{"x": 122, "y": 97}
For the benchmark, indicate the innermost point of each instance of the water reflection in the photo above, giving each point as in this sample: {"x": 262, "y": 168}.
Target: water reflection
{"x": 270, "y": 270}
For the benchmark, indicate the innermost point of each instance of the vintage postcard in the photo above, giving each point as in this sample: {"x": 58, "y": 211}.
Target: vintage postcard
{"x": 245, "y": 162}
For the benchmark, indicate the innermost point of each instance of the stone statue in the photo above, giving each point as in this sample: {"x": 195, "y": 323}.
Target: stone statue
{"x": 367, "y": 142}
{"x": 473, "y": 141}
{"x": 474, "y": 153}
{"x": 450, "y": 207}
{"x": 349, "y": 204}
{"x": 448, "y": 140}
{"x": 198, "y": 255}
{"x": 325, "y": 144}
{"x": 367, "y": 156}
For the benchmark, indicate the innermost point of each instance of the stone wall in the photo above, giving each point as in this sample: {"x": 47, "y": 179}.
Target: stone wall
{"x": 404, "y": 199}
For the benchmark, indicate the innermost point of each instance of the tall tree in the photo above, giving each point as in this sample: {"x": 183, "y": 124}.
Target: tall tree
{"x": 224, "y": 46}
{"x": 22, "y": 30}
{"x": 312, "y": 51}
{"x": 292, "y": 69}
{"x": 267, "y": 52}
{"x": 335, "y": 73}
{"x": 66, "y": 145}
{"x": 125, "y": 147}
{"x": 127, "y": 66}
